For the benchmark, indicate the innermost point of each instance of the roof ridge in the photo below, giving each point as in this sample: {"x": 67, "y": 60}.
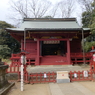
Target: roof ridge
{"x": 49, "y": 19}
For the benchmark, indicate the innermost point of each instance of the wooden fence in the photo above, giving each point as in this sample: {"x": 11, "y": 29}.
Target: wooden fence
{"x": 50, "y": 76}
{"x": 38, "y": 77}
{"x": 77, "y": 58}
{"x": 42, "y": 77}
{"x": 80, "y": 75}
{"x": 26, "y": 77}
{"x": 15, "y": 69}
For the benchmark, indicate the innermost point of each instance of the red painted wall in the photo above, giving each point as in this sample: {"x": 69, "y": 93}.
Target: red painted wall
{"x": 31, "y": 47}
{"x": 75, "y": 45}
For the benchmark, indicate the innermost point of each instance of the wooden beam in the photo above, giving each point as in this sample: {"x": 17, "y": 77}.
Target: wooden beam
{"x": 53, "y": 39}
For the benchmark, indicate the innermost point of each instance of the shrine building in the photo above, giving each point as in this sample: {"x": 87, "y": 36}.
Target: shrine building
{"x": 50, "y": 41}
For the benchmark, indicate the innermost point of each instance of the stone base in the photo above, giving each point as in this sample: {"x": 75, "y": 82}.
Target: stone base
{"x": 6, "y": 88}
{"x": 63, "y": 80}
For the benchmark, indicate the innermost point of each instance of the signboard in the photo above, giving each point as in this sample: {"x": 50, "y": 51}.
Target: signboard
{"x": 52, "y": 42}
{"x": 62, "y": 75}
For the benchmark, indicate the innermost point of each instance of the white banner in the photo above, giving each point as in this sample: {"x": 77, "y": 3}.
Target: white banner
{"x": 45, "y": 75}
{"x": 75, "y": 75}
{"x": 85, "y": 73}
{"x": 23, "y": 59}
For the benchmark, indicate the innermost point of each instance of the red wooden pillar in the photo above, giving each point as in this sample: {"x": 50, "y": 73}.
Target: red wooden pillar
{"x": 68, "y": 52}
{"x": 38, "y": 52}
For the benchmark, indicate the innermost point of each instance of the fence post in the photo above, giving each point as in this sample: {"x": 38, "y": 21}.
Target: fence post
{"x": 26, "y": 77}
{"x": 49, "y": 76}
{"x": 91, "y": 73}
{"x": 18, "y": 76}
{"x": 40, "y": 77}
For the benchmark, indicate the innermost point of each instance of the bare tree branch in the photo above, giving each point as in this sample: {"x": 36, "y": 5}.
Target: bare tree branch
{"x": 39, "y": 7}
{"x": 66, "y": 7}
{"x": 54, "y": 10}
{"x": 18, "y": 7}
{"x": 86, "y": 5}
{"x": 29, "y": 8}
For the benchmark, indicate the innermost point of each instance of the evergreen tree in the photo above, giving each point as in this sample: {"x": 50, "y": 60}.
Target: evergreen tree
{"x": 88, "y": 20}
{"x": 8, "y": 44}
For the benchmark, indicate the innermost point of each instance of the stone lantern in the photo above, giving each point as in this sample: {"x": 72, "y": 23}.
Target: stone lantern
{"x": 4, "y": 84}
{"x": 3, "y": 79}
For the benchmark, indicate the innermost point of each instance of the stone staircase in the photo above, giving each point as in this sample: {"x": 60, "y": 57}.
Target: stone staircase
{"x": 54, "y": 68}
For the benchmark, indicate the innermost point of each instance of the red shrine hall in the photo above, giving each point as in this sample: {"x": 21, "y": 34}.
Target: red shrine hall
{"x": 50, "y": 41}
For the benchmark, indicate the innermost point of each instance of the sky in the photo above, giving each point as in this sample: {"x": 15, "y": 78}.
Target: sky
{"x": 4, "y": 9}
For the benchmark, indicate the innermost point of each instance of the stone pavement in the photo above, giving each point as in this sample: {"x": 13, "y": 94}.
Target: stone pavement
{"x": 75, "y": 88}
{"x": 54, "y": 68}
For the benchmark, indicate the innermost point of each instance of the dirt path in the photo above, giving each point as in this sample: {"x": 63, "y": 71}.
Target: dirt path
{"x": 75, "y": 88}
{"x": 36, "y": 89}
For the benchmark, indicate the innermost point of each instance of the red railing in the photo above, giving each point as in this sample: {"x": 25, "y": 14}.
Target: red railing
{"x": 78, "y": 57}
{"x": 81, "y": 75}
{"x": 42, "y": 77}
{"x": 26, "y": 77}
{"x": 16, "y": 59}
{"x": 38, "y": 77}
{"x": 15, "y": 69}
{"x": 15, "y": 62}
{"x": 51, "y": 76}
{"x": 81, "y": 54}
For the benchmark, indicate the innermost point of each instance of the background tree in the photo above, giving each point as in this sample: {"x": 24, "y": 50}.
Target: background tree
{"x": 88, "y": 20}
{"x": 28, "y": 9}
{"x": 66, "y": 8}
{"x": 40, "y": 8}
{"x": 8, "y": 44}
{"x": 85, "y": 5}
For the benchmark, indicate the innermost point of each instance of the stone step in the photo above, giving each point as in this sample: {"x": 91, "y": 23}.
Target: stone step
{"x": 38, "y": 69}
